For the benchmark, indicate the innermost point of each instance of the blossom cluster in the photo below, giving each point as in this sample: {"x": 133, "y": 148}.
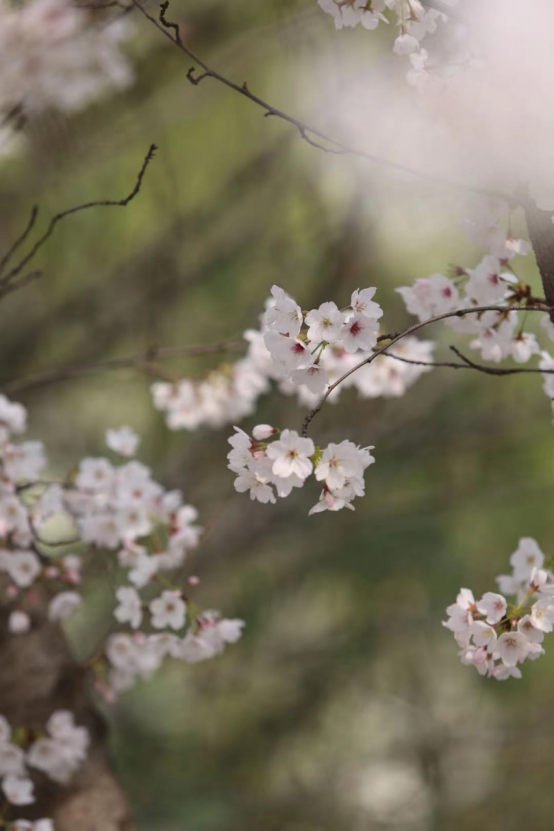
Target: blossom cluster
{"x": 231, "y": 393}
{"x": 180, "y": 634}
{"x": 58, "y": 751}
{"x": 494, "y": 635}
{"x": 274, "y": 462}
{"x": 296, "y": 339}
{"x": 55, "y": 55}
{"x": 497, "y": 335}
{"x": 223, "y": 396}
{"x": 414, "y": 21}
{"x": 114, "y": 505}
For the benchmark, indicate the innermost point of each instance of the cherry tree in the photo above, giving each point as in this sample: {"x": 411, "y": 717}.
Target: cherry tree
{"x": 54, "y": 769}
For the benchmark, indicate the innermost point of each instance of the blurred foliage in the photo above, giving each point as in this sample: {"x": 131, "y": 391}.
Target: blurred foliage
{"x": 344, "y": 708}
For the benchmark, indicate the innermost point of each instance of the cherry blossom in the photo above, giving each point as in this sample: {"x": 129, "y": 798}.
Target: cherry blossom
{"x": 341, "y": 463}
{"x": 494, "y": 635}
{"x": 493, "y": 606}
{"x": 284, "y": 315}
{"x": 63, "y": 605}
{"x": 56, "y": 56}
{"x": 286, "y": 463}
{"x": 18, "y": 791}
{"x": 290, "y": 455}
{"x": 359, "y": 332}
{"x": 122, "y": 441}
{"x": 512, "y": 648}
{"x": 129, "y": 609}
{"x": 430, "y": 296}
{"x": 23, "y": 567}
{"x": 63, "y": 751}
{"x": 168, "y": 610}
{"x": 19, "y": 622}
{"x": 325, "y": 323}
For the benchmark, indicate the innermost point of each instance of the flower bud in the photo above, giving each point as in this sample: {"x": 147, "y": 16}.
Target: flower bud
{"x": 263, "y": 431}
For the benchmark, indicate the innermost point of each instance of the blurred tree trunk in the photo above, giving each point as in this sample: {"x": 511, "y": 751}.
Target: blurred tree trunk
{"x": 541, "y": 234}
{"x": 38, "y": 676}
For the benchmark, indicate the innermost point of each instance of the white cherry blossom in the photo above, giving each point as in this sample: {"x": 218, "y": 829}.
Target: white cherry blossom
{"x": 19, "y": 622}
{"x": 123, "y": 441}
{"x": 493, "y": 606}
{"x": 512, "y": 648}
{"x": 314, "y": 376}
{"x": 325, "y": 323}
{"x": 18, "y": 791}
{"x": 129, "y": 609}
{"x": 168, "y": 610}
{"x": 63, "y": 605}
{"x": 359, "y": 332}
{"x": 291, "y": 455}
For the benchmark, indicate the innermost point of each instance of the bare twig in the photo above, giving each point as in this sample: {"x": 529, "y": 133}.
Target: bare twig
{"x": 20, "y": 240}
{"x": 147, "y": 357}
{"x": 307, "y": 132}
{"x": 7, "y": 279}
{"x": 20, "y": 284}
{"x": 414, "y": 328}
{"x": 494, "y": 370}
{"x": 111, "y": 4}
{"x": 469, "y": 364}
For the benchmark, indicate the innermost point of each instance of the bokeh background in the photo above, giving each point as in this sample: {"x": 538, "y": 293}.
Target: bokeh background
{"x": 344, "y": 707}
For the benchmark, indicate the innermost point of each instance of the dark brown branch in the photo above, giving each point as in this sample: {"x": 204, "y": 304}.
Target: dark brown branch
{"x": 111, "y": 4}
{"x": 307, "y": 132}
{"x": 20, "y": 240}
{"x": 494, "y": 370}
{"x": 414, "y": 328}
{"x": 147, "y": 357}
{"x": 8, "y": 278}
{"x": 469, "y": 364}
{"x": 20, "y": 284}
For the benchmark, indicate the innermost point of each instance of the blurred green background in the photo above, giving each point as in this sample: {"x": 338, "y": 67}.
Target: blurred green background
{"x": 344, "y": 707}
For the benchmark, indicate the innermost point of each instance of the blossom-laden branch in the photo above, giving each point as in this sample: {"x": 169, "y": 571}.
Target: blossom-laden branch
{"x": 10, "y": 278}
{"x": 320, "y": 350}
{"x": 112, "y": 505}
{"x": 312, "y": 135}
{"x": 459, "y": 313}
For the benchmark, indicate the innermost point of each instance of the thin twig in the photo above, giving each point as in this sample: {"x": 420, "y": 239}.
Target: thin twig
{"x": 494, "y": 370}
{"x": 147, "y": 357}
{"x": 8, "y": 278}
{"x": 20, "y": 284}
{"x": 414, "y": 328}
{"x": 307, "y": 132}
{"x": 469, "y": 364}
{"x": 20, "y": 240}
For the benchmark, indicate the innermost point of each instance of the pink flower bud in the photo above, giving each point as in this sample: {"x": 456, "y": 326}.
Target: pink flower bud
{"x": 263, "y": 431}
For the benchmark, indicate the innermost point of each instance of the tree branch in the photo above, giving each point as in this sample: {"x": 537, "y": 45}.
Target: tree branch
{"x": 499, "y": 371}
{"x": 20, "y": 240}
{"x": 307, "y": 132}
{"x": 469, "y": 364}
{"x": 20, "y": 284}
{"x": 414, "y": 328}
{"x": 65, "y": 373}
{"x": 8, "y": 279}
